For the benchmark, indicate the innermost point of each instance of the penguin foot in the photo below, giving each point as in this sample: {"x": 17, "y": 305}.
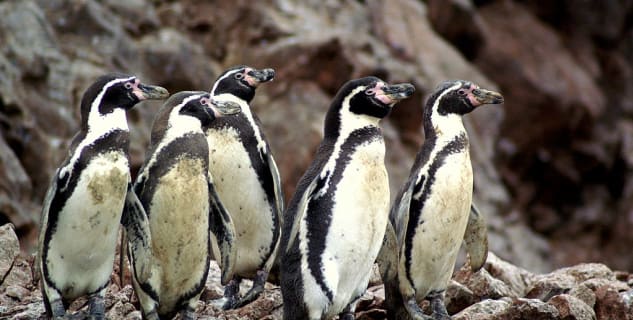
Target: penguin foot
{"x": 97, "y": 307}
{"x": 255, "y": 291}
{"x": 437, "y": 305}
{"x": 231, "y": 292}
{"x": 187, "y": 314}
{"x": 152, "y": 315}
{"x": 414, "y": 310}
{"x": 57, "y": 309}
{"x": 346, "y": 316}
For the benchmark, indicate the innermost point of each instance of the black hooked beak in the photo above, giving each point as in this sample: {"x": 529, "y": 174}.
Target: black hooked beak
{"x": 263, "y": 75}
{"x": 484, "y": 96}
{"x": 398, "y": 91}
{"x": 225, "y": 108}
{"x": 151, "y": 92}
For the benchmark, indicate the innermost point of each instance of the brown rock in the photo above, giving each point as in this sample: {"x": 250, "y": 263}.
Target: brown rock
{"x": 610, "y": 304}
{"x": 483, "y": 285}
{"x": 458, "y": 297}
{"x": 572, "y": 308}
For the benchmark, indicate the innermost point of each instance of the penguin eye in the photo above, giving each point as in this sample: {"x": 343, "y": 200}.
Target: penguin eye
{"x": 370, "y": 92}
{"x": 204, "y": 101}
{"x": 239, "y": 76}
{"x": 461, "y": 92}
{"x": 128, "y": 85}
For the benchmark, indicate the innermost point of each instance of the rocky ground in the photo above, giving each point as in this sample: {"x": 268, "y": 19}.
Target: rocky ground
{"x": 499, "y": 291}
{"x": 553, "y": 166}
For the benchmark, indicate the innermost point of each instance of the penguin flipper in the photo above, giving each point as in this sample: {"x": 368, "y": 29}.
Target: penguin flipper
{"x": 279, "y": 205}
{"x": 137, "y": 232}
{"x": 476, "y": 239}
{"x": 222, "y": 228}
{"x": 388, "y": 256}
{"x": 301, "y": 209}
{"x": 399, "y": 215}
{"x": 50, "y": 194}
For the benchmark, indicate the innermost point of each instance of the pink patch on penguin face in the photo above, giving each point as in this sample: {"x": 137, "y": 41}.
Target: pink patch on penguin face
{"x": 380, "y": 94}
{"x": 471, "y": 97}
{"x": 136, "y": 90}
{"x": 251, "y": 80}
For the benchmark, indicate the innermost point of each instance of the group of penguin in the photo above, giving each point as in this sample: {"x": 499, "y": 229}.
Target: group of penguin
{"x": 210, "y": 189}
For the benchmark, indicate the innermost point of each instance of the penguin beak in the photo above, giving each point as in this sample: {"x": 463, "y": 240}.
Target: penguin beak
{"x": 147, "y": 92}
{"x": 480, "y": 96}
{"x": 391, "y": 94}
{"x": 255, "y": 77}
{"x": 224, "y": 108}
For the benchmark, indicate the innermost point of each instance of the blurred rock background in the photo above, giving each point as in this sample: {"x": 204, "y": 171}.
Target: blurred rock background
{"x": 553, "y": 165}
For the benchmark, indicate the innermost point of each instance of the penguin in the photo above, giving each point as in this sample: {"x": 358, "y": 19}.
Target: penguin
{"x": 240, "y": 161}
{"x": 178, "y": 196}
{"x": 336, "y": 219}
{"x": 85, "y": 201}
{"x": 433, "y": 210}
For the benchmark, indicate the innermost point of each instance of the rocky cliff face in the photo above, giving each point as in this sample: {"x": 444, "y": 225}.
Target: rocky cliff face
{"x": 552, "y": 165}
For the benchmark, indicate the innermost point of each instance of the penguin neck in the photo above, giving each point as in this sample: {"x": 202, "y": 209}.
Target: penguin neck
{"x": 98, "y": 124}
{"x": 248, "y": 115}
{"x": 443, "y": 127}
{"x": 179, "y": 126}
{"x": 340, "y": 121}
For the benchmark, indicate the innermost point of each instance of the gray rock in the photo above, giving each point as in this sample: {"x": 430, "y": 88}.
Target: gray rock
{"x": 518, "y": 279}
{"x": 486, "y": 309}
{"x": 9, "y": 249}
{"x": 584, "y": 293}
{"x": 17, "y": 292}
{"x": 532, "y": 309}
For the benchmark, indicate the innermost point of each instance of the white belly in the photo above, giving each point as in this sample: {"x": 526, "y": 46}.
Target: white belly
{"x": 438, "y": 239}
{"x": 81, "y": 251}
{"x": 357, "y": 228}
{"x": 242, "y": 195}
{"x": 179, "y": 219}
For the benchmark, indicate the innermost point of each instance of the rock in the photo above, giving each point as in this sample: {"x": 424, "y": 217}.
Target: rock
{"x": 562, "y": 280}
{"x": 486, "y": 309}
{"x": 584, "y": 293}
{"x": 572, "y": 308}
{"x": 586, "y": 271}
{"x": 518, "y": 279}
{"x": 17, "y": 292}
{"x": 120, "y": 310}
{"x": 532, "y": 309}
{"x": 546, "y": 286}
{"x": 483, "y": 285}
{"x": 9, "y": 249}
{"x": 458, "y": 297}
{"x": 610, "y": 304}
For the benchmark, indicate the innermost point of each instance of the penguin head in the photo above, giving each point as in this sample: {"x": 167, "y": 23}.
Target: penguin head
{"x": 369, "y": 96}
{"x": 188, "y": 110}
{"x": 117, "y": 91}
{"x": 460, "y": 97}
{"x": 241, "y": 81}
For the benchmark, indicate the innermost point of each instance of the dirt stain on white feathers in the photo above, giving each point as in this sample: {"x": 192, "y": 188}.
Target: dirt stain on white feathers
{"x": 179, "y": 221}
